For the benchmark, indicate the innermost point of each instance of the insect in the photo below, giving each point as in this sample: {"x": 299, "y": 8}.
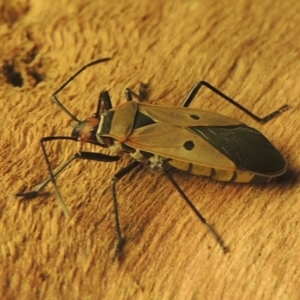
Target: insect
{"x": 196, "y": 141}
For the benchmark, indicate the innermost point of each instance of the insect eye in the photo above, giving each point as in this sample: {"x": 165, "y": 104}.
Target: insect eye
{"x": 86, "y": 130}
{"x": 78, "y": 129}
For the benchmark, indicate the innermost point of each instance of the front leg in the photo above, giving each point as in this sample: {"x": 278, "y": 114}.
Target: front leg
{"x": 79, "y": 155}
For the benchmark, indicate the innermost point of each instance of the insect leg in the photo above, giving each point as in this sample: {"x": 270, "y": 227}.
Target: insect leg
{"x": 104, "y": 103}
{"x": 39, "y": 187}
{"x": 142, "y": 95}
{"x": 194, "y": 209}
{"x": 78, "y": 155}
{"x": 115, "y": 179}
{"x": 199, "y": 84}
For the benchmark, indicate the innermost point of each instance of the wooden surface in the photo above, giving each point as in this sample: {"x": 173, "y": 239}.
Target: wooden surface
{"x": 248, "y": 49}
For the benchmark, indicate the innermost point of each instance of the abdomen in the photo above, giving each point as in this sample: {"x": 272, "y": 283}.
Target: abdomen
{"x": 219, "y": 174}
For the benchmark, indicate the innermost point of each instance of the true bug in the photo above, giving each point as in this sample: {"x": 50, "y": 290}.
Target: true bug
{"x": 199, "y": 142}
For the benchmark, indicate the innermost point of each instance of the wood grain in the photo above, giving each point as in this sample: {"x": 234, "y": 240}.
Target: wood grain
{"x": 248, "y": 49}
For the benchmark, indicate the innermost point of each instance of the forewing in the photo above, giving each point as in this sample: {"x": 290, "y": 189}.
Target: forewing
{"x": 178, "y": 143}
{"x": 205, "y": 138}
{"x": 185, "y": 116}
{"x": 245, "y": 146}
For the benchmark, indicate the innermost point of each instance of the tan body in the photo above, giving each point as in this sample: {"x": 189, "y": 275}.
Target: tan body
{"x": 169, "y": 134}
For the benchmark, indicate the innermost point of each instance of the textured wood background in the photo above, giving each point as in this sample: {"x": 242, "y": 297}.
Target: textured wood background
{"x": 248, "y": 49}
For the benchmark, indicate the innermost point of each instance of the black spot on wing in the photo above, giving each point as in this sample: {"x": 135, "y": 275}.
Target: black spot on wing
{"x": 245, "y": 146}
{"x": 189, "y": 145}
